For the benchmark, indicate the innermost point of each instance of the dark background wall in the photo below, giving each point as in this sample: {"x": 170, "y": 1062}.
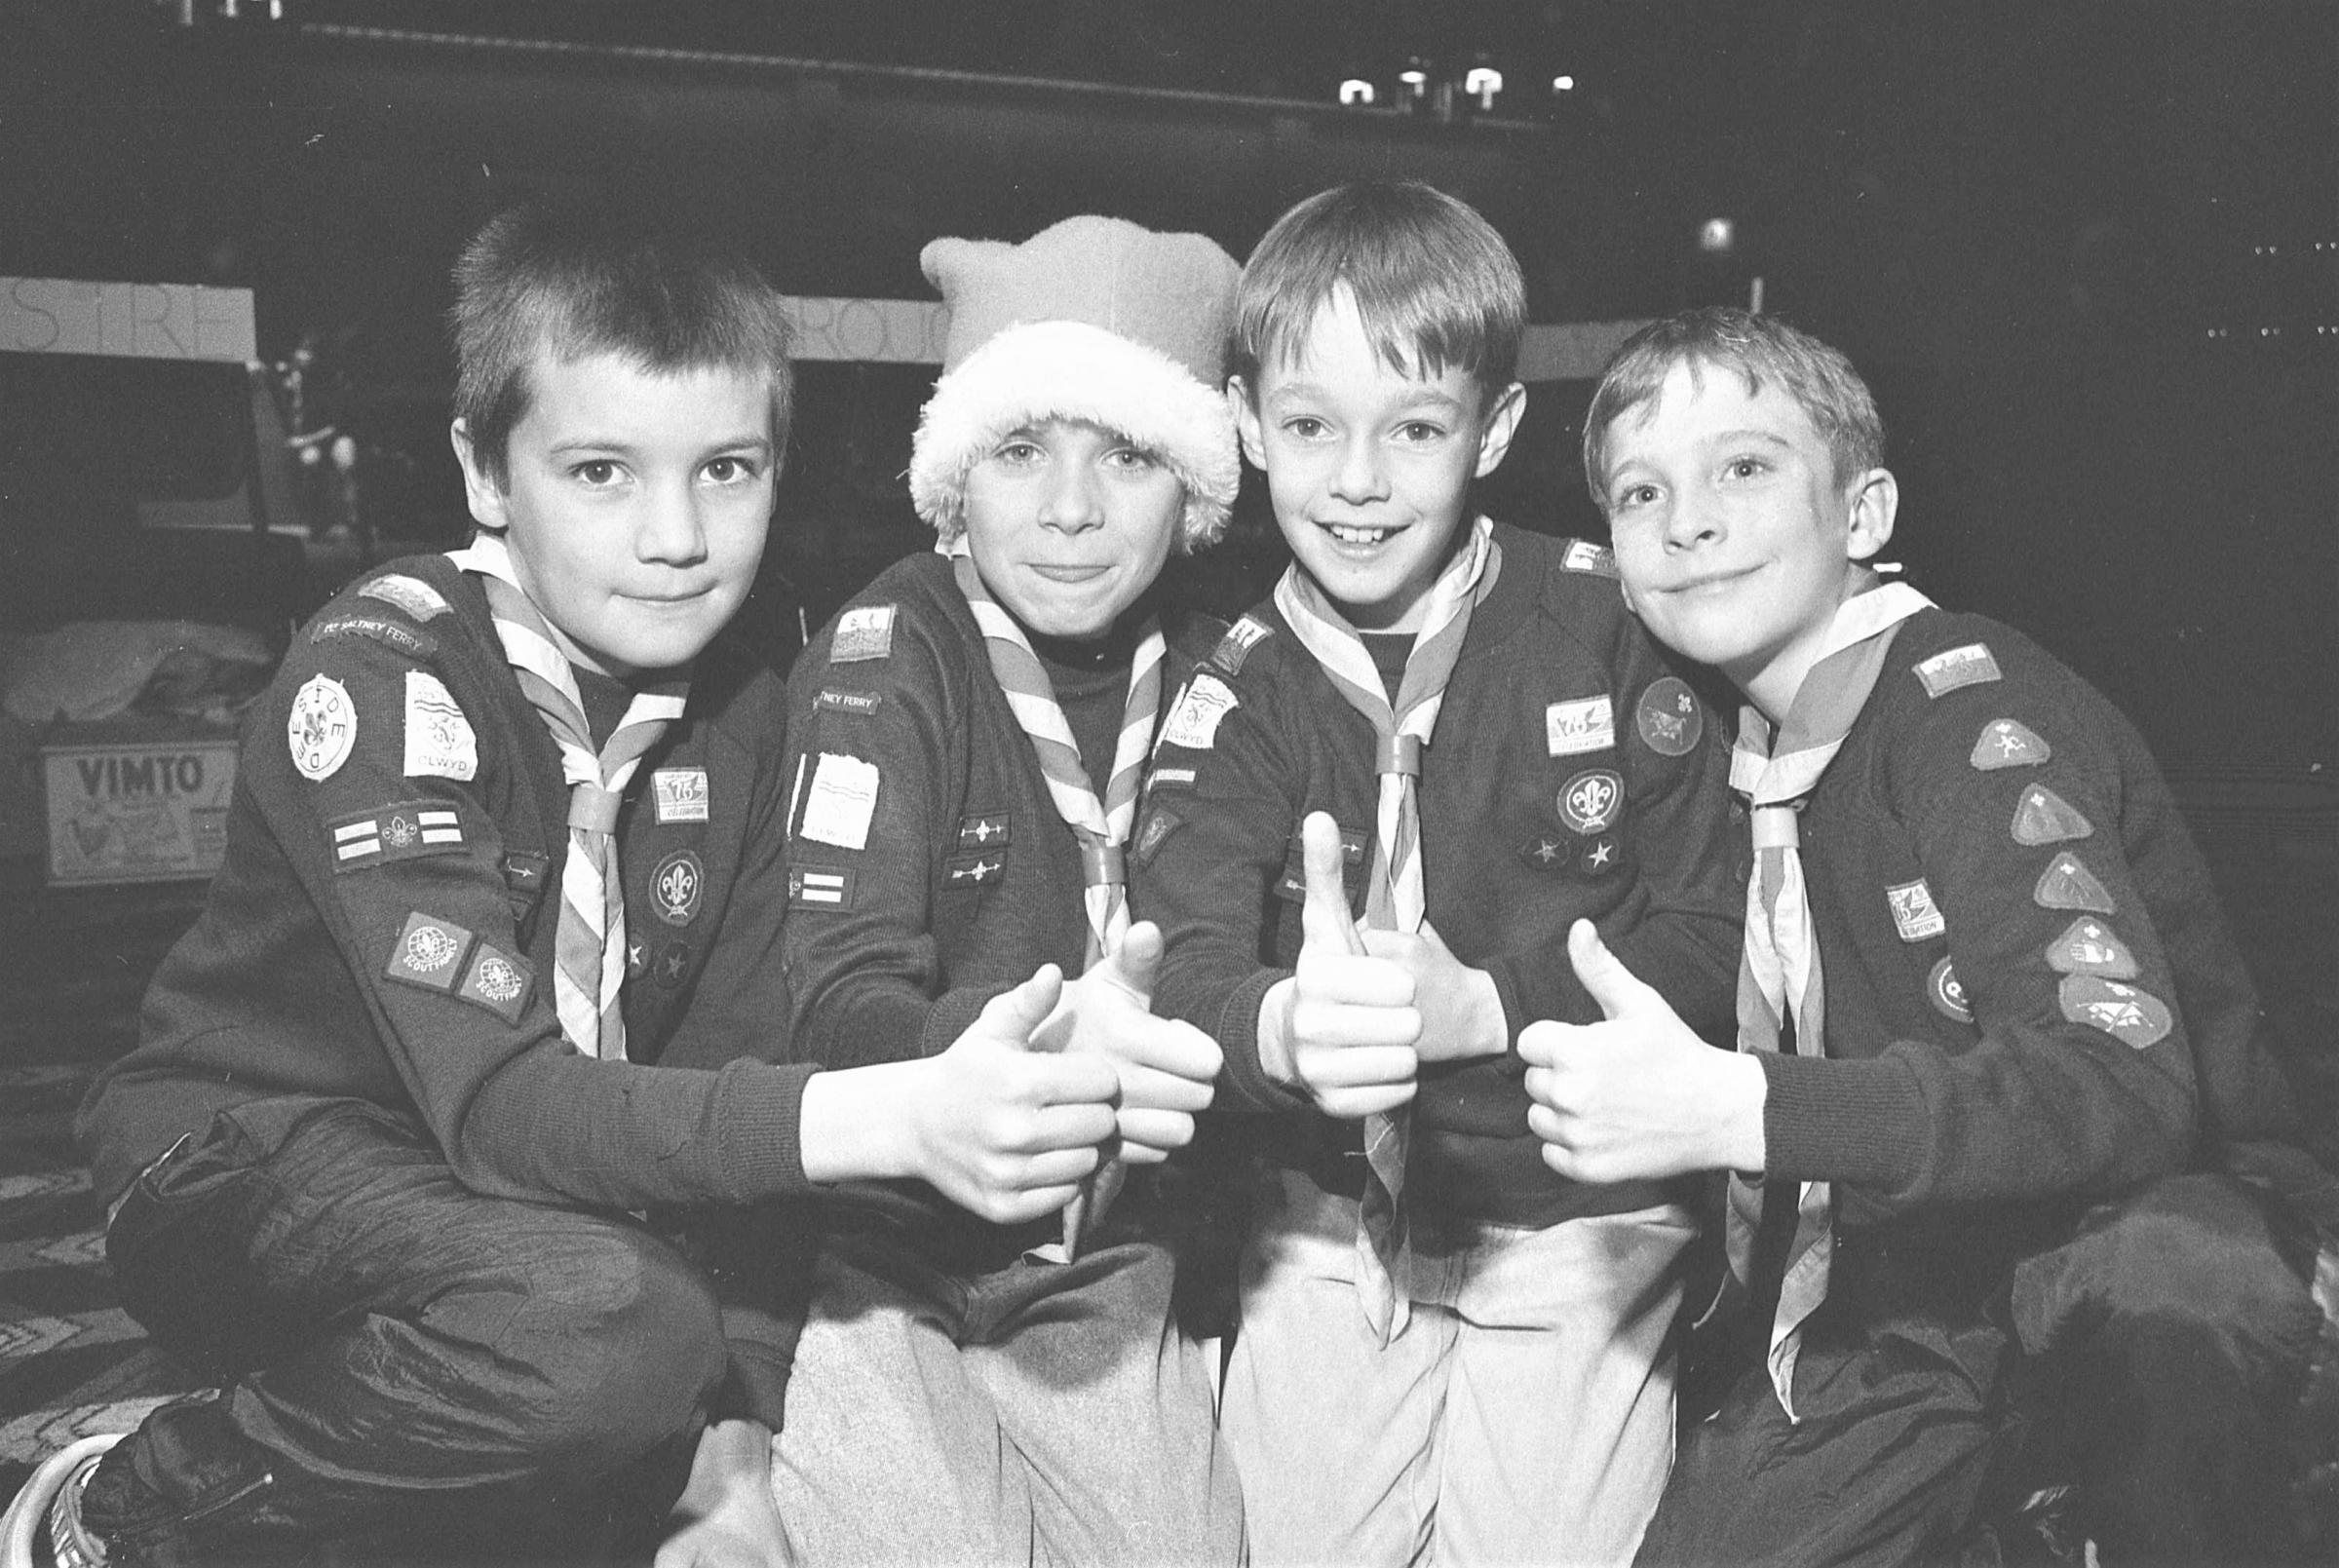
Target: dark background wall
{"x": 2043, "y": 227}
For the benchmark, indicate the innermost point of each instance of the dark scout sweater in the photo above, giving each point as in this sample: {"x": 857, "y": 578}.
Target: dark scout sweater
{"x": 1572, "y": 775}
{"x": 382, "y": 930}
{"x": 930, "y": 868}
{"x": 2032, "y": 997}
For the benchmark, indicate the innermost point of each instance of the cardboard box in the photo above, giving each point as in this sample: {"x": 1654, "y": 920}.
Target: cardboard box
{"x": 130, "y": 806}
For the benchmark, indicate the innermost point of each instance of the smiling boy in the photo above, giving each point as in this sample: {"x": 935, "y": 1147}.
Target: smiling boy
{"x": 505, "y": 835}
{"x": 1989, "y": 1012}
{"x": 971, "y": 731}
{"x": 1455, "y": 1356}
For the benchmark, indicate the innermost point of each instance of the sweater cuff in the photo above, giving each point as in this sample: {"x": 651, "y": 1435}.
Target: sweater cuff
{"x": 952, "y": 1015}
{"x": 1249, "y": 1088}
{"x": 764, "y": 1141}
{"x": 1859, "y": 1122}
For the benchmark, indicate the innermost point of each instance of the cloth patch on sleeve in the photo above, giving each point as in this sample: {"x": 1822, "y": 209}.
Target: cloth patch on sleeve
{"x": 1583, "y": 555}
{"x": 439, "y": 743}
{"x": 680, "y": 794}
{"x": 865, "y": 632}
{"x": 672, "y": 967}
{"x": 1915, "y": 916}
{"x": 819, "y": 887}
{"x": 1590, "y": 802}
{"x": 984, "y": 868}
{"x": 2042, "y": 816}
{"x": 2006, "y": 743}
{"x": 429, "y": 953}
{"x": 497, "y": 981}
{"x": 1160, "y": 824}
{"x": 2067, "y": 884}
{"x": 389, "y": 633}
{"x": 676, "y": 886}
{"x": 1165, "y": 776}
{"x": 1241, "y": 638}
{"x": 416, "y": 598}
{"x": 2087, "y": 946}
{"x": 833, "y": 700}
{"x": 841, "y": 802}
{"x": 1601, "y": 855}
{"x": 2133, "y": 1018}
{"x": 1586, "y": 725}
{"x": 1969, "y": 666}
{"x": 983, "y": 830}
{"x": 1669, "y": 718}
{"x": 1948, "y": 993}
{"x": 1200, "y": 706}
{"x": 403, "y": 831}
{"x": 525, "y": 875}
{"x": 1548, "y": 851}
{"x": 323, "y": 727}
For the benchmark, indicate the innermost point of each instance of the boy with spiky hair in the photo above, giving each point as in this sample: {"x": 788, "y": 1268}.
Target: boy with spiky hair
{"x": 492, "y": 965}
{"x": 1443, "y": 1351}
{"x": 1994, "y": 1041}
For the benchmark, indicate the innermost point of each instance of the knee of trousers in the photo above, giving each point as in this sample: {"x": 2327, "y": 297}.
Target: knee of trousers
{"x": 2184, "y": 1279}
{"x": 626, "y": 1347}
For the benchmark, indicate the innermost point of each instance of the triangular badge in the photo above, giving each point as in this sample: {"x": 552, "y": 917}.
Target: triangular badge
{"x": 2087, "y": 946}
{"x": 2068, "y": 885}
{"x": 2042, "y": 816}
{"x": 2008, "y": 744}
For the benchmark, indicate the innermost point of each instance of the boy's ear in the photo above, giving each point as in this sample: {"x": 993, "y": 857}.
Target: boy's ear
{"x": 1247, "y": 422}
{"x": 1502, "y": 423}
{"x": 480, "y": 489}
{"x": 1875, "y": 501}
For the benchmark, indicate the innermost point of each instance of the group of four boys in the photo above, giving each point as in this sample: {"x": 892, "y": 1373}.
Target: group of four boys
{"x": 597, "y": 1074}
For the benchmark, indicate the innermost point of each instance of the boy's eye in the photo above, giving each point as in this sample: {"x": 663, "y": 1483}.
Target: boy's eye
{"x": 1018, "y": 451}
{"x": 1745, "y": 468}
{"x": 730, "y": 469}
{"x": 595, "y": 471}
{"x": 1633, "y": 495}
{"x": 1307, "y": 427}
{"x": 1131, "y": 458}
{"x": 1420, "y": 430}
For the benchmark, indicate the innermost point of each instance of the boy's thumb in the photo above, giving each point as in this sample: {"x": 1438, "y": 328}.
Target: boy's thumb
{"x": 1617, "y": 989}
{"x": 1133, "y": 962}
{"x": 1012, "y": 1017}
{"x": 1323, "y": 919}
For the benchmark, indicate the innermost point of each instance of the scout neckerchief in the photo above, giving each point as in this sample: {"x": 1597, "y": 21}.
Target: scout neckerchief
{"x": 1394, "y": 900}
{"x": 1101, "y": 827}
{"x": 1779, "y": 975}
{"x": 589, "y": 944}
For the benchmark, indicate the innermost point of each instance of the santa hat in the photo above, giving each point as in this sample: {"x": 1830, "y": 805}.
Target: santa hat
{"x": 1094, "y": 318}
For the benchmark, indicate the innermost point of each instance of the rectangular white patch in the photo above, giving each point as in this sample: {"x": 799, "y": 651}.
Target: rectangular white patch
{"x": 1969, "y": 666}
{"x": 1589, "y": 725}
{"x": 1195, "y": 724}
{"x": 842, "y": 800}
{"x": 821, "y": 887}
{"x": 1173, "y": 775}
{"x": 680, "y": 794}
{"x": 439, "y": 743}
{"x": 441, "y": 827}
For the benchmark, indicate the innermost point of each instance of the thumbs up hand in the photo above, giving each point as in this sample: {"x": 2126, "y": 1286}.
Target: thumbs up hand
{"x": 1637, "y": 1095}
{"x": 1000, "y": 1128}
{"x": 1343, "y": 1029}
{"x": 1165, "y": 1066}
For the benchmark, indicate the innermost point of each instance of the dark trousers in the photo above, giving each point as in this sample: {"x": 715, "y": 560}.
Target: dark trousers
{"x": 401, "y": 1359}
{"x": 2149, "y": 1361}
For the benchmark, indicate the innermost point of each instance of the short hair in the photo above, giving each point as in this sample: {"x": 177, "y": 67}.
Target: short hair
{"x": 1759, "y": 349}
{"x": 1433, "y": 282}
{"x": 581, "y": 284}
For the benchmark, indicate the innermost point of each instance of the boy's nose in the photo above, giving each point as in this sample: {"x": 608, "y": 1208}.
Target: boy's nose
{"x": 1692, "y": 519}
{"x": 1074, "y": 503}
{"x": 670, "y": 532}
{"x": 1361, "y": 477}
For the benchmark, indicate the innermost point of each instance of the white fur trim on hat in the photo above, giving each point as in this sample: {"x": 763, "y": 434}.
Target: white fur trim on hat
{"x": 1042, "y": 370}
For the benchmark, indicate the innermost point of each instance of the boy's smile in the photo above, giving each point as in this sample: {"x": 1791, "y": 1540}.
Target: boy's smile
{"x": 635, "y": 504}
{"x": 1368, "y": 467}
{"x": 1069, "y": 523}
{"x": 1734, "y": 536}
